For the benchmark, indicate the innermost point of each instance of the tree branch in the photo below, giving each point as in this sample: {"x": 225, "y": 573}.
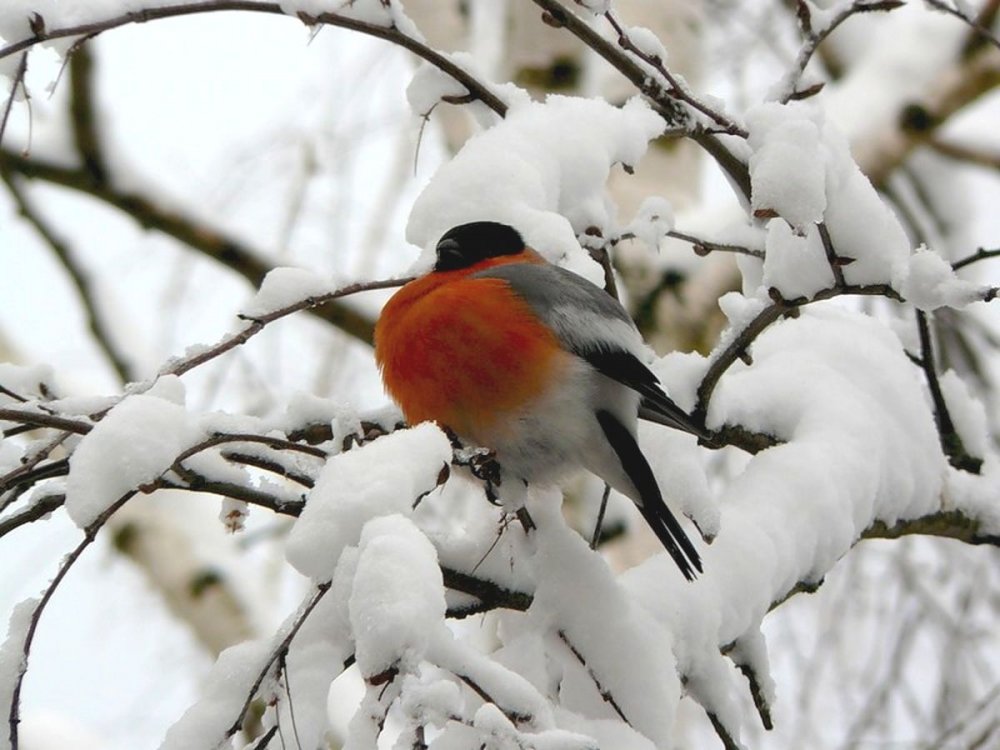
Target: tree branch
{"x": 208, "y": 240}
{"x": 279, "y": 652}
{"x": 951, "y": 441}
{"x": 90, "y": 533}
{"x": 78, "y": 277}
{"x": 815, "y": 37}
{"x": 388, "y": 33}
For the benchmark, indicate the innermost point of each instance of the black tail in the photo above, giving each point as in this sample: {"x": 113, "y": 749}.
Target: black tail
{"x": 653, "y": 509}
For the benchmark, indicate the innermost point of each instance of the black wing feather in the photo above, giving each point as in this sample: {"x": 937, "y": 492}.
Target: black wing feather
{"x": 663, "y": 523}
{"x": 656, "y": 405}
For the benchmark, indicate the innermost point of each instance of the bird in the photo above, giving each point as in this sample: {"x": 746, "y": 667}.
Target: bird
{"x": 532, "y": 361}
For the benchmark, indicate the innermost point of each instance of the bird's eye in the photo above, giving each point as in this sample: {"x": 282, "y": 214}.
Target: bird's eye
{"x": 449, "y": 255}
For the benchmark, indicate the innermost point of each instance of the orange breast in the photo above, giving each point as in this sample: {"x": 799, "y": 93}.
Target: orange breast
{"x": 464, "y": 352}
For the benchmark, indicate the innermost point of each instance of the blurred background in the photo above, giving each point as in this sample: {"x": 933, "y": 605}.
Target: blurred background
{"x": 166, "y": 166}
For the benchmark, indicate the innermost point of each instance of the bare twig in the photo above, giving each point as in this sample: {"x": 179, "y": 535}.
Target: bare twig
{"x": 208, "y": 240}
{"x": 256, "y": 324}
{"x": 34, "y": 512}
{"x": 606, "y": 695}
{"x": 557, "y": 14}
{"x": 90, "y": 533}
{"x": 980, "y": 254}
{"x": 595, "y": 538}
{"x": 388, "y": 32}
{"x": 814, "y": 37}
{"x": 835, "y": 261}
{"x": 86, "y": 133}
{"x": 968, "y": 154}
{"x": 951, "y": 441}
{"x": 674, "y": 87}
{"x": 740, "y": 344}
{"x": 60, "y": 248}
{"x": 279, "y": 651}
{"x": 22, "y": 68}
{"x": 983, "y": 32}
{"x": 40, "y": 419}
{"x": 704, "y": 247}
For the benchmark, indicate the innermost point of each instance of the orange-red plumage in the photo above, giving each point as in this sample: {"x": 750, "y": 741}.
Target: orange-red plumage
{"x": 465, "y": 352}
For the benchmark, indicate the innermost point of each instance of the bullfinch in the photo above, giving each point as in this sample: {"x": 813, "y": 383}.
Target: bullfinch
{"x": 532, "y": 361}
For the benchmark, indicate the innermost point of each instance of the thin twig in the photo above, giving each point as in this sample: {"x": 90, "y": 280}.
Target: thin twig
{"x": 951, "y": 441}
{"x": 740, "y": 344}
{"x": 815, "y": 37}
{"x": 209, "y": 241}
{"x": 595, "y": 538}
{"x": 606, "y": 694}
{"x": 968, "y": 154}
{"x": 34, "y": 512}
{"x": 278, "y": 652}
{"x": 674, "y": 87}
{"x": 60, "y": 248}
{"x": 704, "y": 247}
{"x": 22, "y": 68}
{"x": 256, "y": 324}
{"x": 90, "y": 533}
{"x": 980, "y": 254}
{"x": 984, "y": 33}
{"x": 665, "y": 103}
{"x": 40, "y": 419}
{"x": 388, "y": 33}
{"x": 835, "y": 261}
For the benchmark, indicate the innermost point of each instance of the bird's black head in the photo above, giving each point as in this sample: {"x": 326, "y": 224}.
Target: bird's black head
{"x": 469, "y": 244}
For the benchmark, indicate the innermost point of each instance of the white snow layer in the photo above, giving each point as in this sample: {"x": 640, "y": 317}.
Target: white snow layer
{"x": 801, "y": 168}
{"x": 542, "y": 170}
{"x": 397, "y": 601}
{"x": 283, "y": 287}
{"x": 378, "y": 479}
{"x": 619, "y": 646}
{"x": 12, "y": 659}
{"x": 226, "y": 688}
{"x": 929, "y": 282}
{"x": 135, "y": 443}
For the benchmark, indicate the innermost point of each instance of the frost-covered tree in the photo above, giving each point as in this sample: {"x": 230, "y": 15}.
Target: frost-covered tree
{"x": 202, "y": 213}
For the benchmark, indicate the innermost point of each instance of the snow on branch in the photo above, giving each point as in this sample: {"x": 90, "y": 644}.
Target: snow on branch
{"x": 846, "y": 429}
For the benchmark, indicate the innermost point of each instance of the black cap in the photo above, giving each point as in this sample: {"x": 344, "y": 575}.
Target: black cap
{"x": 469, "y": 244}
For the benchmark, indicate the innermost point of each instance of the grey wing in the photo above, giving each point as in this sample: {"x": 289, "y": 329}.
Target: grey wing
{"x": 593, "y": 325}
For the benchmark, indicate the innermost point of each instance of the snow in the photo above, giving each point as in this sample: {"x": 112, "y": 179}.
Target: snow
{"x": 652, "y": 221}
{"x": 28, "y": 382}
{"x": 224, "y": 692}
{"x": 135, "y": 443}
{"x": 967, "y": 413}
{"x": 430, "y": 86}
{"x": 379, "y": 479}
{"x": 283, "y": 287}
{"x": 12, "y": 659}
{"x": 795, "y": 265}
{"x": 384, "y": 13}
{"x": 430, "y": 699}
{"x": 928, "y": 282}
{"x": 506, "y": 688}
{"x": 397, "y": 601}
{"x": 787, "y": 167}
{"x": 648, "y": 43}
{"x": 597, "y": 7}
{"x": 316, "y": 656}
{"x": 801, "y": 169}
{"x": 861, "y": 224}
{"x": 623, "y": 648}
{"x": 542, "y": 170}
{"x": 676, "y": 460}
